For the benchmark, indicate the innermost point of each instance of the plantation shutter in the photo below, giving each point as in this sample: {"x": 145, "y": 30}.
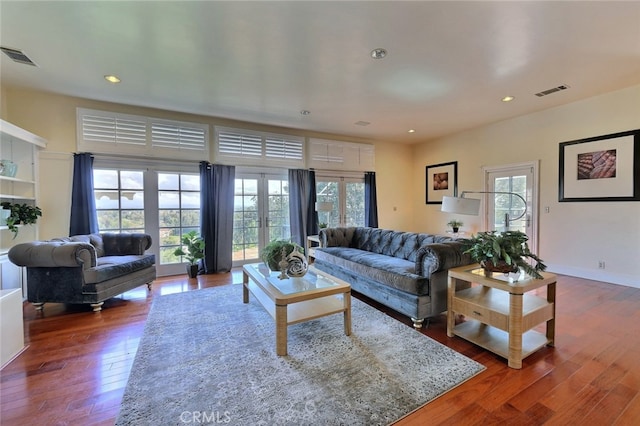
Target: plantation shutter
{"x": 104, "y": 132}
{"x": 111, "y": 129}
{"x": 167, "y": 135}
{"x": 257, "y": 148}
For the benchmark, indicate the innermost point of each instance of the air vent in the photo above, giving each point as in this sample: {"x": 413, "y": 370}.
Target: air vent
{"x": 362, "y": 123}
{"x": 18, "y": 56}
{"x": 553, "y": 90}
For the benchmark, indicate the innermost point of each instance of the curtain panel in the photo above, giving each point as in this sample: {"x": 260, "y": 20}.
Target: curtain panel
{"x": 303, "y": 216}
{"x": 370, "y": 200}
{"x": 84, "y": 218}
{"x": 216, "y": 220}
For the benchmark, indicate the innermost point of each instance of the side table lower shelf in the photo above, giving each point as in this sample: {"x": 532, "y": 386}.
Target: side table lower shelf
{"x": 497, "y": 341}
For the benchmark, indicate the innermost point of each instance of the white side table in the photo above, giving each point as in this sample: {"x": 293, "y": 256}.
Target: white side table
{"x": 11, "y": 325}
{"x": 313, "y": 241}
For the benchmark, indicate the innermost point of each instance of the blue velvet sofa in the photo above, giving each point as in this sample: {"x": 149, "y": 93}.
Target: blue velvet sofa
{"x": 85, "y": 268}
{"x": 402, "y": 270}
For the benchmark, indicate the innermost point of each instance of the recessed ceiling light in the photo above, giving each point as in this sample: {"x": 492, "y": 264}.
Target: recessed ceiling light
{"x": 112, "y": 79}
{"x": 305, "y": 112}
{"x": 378, "y": 53}
{"x": 412, "y": 131}
{"x": 508, "y": 99}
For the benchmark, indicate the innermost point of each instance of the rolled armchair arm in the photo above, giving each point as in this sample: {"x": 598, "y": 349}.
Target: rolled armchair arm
{"x": 441, "y": 256}
{"x": 125, "y": 244}
{"x": 49, "y": 254}
{"x": 336, "y": 237}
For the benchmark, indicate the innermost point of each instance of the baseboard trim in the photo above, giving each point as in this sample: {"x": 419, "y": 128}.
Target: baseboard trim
{"x": 596, "y": 275}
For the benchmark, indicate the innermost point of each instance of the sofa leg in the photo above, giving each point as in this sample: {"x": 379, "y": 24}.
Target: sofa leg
{"x": 38, "y": 305}
{"x": 417, "y": 323}
{"x": 97, "y": 307}
{"x": 149, "y": 286}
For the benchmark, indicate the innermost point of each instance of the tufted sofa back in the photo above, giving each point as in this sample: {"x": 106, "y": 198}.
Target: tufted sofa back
{"x": 404, "y": 245}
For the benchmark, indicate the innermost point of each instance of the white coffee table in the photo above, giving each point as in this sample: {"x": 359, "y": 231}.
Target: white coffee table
{"x": 294, "y": 300}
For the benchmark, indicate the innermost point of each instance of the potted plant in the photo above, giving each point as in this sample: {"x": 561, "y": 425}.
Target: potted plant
{"x": 322, "y": 225}
{"x": 272, "y": 254}
{"x": 20, "y": 214}
{"x": 455, "y": 225}
{"x": 504, "y": 252}
{"x": 195, "y": 251}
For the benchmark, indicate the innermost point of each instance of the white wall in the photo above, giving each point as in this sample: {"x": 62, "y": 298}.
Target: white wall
{"x": 573, "y": 236}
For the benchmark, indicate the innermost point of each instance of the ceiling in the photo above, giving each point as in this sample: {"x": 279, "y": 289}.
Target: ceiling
{"x": 448, "y": 63}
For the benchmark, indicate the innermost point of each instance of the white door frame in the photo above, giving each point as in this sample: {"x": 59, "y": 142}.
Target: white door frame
{"x": 532, "y": 197}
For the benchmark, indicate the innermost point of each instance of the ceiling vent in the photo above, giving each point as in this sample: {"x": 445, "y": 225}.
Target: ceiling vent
{"x": 18, "y": 56}
{"x": 362, "y": 123}
{"x": 553, "y": 90}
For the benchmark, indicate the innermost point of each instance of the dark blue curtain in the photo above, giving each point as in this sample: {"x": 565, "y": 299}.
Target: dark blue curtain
{"x": 216, "y": 220}
{"x": 370, "y": 200}
{"x": 303, "y": 216}
{"x": 84, "y": 219}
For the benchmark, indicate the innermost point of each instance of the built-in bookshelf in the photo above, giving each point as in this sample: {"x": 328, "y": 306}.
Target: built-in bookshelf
{"x": 20, "y": 147}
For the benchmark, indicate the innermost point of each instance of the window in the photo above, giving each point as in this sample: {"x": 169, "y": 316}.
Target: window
{"x": 178, "y": 211}
{"x": 119, "y": 196}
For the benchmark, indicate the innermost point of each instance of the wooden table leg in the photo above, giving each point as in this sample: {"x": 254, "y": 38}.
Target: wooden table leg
{"x": 515, "y": 330}
{"x": 281, "y": 329}
{"x": 347, "y": 313}
{"x": 245, "y": 287}
{"x": 551, "y": 324}
{"x": 451, "y": 321}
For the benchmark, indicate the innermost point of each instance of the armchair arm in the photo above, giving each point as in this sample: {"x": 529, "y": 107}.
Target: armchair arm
{"x": 125, "y": 244}
{"x": 47, "y": 254}
{"x": 441, "y": 257}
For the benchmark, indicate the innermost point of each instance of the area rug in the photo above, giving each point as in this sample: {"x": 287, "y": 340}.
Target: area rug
{"x": 207, "y": 358}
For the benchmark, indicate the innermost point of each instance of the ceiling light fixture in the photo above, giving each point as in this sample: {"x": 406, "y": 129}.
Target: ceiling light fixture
{"x": 508, "y": 99}
{"x": 412, "y": 131}
{"x": 112, "y": 79}
{"x": 378, "y": 53}
{"x": 305, "y": 112}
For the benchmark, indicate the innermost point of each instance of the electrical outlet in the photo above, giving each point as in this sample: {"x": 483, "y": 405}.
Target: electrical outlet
{"x": 601, "y": 264}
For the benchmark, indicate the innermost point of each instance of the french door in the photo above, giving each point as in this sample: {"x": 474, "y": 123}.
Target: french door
{"x": 509, "y": 212}
{"x": 261, "y": 213}
{"x": 343, "y": 198}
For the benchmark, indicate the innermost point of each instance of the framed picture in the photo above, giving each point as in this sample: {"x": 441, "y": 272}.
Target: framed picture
{"x": 441, "y": 181}
{"x": 601, "y": 168}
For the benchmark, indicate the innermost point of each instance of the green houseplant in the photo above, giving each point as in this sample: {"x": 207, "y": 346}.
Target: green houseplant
{"x": 455, "y": 224}
{"x": 20, "y": 214}
{"x": 272, "y": 253}
{"x": 504, "y": 252}
{"x": 194, "y": 245}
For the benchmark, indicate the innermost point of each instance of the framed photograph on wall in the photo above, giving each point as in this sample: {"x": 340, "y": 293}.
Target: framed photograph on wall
{"x": 441, "y": 181}
{"x": 601, "y": 168}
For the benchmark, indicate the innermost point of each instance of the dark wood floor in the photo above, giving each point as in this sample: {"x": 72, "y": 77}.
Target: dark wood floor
{"x": 77, "y": 363}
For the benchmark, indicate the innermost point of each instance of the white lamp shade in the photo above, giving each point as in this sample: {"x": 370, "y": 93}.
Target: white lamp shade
{"x": 324, "y": 206}
{"x": 470, "y": 206}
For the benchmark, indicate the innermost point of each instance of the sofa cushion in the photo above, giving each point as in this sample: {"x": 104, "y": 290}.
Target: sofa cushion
{"x": 109, "y": 267}
{"x": 392, "y": 271}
